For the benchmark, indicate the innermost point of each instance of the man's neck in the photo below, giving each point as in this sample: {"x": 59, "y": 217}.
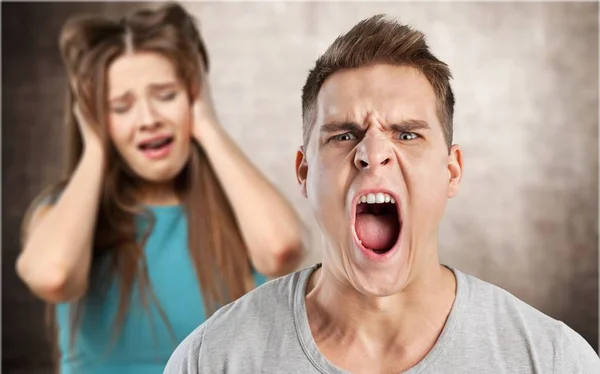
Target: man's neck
{"x": 405, "y": 325}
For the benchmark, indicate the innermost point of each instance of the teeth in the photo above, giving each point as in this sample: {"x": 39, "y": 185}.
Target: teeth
{"x": 377, "y": 198}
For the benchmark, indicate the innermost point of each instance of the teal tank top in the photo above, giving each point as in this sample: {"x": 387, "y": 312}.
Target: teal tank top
{"x": 144, "y": 343}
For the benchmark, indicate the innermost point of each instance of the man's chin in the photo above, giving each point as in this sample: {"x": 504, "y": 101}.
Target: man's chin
{"x": 372, "y": 289}
{"x": 379, "y": 281}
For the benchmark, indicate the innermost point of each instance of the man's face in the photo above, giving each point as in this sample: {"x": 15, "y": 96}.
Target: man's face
{"x": 377, "y": 173}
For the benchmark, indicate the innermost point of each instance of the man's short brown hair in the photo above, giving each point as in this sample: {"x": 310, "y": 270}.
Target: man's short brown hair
{"x": 378, "y": 40}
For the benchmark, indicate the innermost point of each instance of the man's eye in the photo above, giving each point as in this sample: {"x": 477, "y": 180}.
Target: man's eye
{"x": 408, "y": 136}
{"x": 344, "y": 137}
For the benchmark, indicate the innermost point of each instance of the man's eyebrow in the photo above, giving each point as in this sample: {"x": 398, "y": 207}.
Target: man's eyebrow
{"x": 409, "y": 125}
{"x": 332, "y": 127}
{"x": 402, "y": 126}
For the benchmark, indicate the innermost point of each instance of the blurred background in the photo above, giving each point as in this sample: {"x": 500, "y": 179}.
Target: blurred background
{"x": 526, "y": 83}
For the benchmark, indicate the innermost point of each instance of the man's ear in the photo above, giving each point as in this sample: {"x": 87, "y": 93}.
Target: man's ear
{"x": 301, "y": 169}
{"x": 455, "y": 170}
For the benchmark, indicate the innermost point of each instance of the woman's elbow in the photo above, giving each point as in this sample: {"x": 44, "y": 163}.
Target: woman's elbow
{"x": 285, "y": 257}
{"x": 51, "y": 285}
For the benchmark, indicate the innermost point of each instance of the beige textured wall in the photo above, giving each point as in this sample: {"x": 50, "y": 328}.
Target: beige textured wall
{"x": 526, "y": 82}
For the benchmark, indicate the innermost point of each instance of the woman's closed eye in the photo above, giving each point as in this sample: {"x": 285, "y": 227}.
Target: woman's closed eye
{"x": 120, "y": 108}
{"x": 167, "y": 95}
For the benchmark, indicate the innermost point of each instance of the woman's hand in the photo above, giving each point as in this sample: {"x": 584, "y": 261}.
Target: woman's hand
{"x": 88, "y": 133}
{"x": 204, "y": 115}
{"x": 87, "y": 129}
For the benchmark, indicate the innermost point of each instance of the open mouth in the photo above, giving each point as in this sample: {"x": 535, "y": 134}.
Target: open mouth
{"x": 156, "y": 144}
{"x": 377, "y": 223}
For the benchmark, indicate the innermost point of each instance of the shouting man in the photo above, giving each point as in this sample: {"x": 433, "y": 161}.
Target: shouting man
{"x": 377, "y": 167}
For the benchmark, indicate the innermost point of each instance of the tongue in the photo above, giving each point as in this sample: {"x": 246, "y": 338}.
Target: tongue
{"x": 157, "y": 145}
{"x": 377, "y": 232}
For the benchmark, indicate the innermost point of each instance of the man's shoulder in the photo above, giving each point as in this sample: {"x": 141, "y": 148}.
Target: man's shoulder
{"x": 494, "y": 313}
{"x": 492, "y": 302}
{"x": 273, "y": 298}
{"x": 241, "y": 326}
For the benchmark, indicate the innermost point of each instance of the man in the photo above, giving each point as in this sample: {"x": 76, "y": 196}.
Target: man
{"x": 377, "y": 167}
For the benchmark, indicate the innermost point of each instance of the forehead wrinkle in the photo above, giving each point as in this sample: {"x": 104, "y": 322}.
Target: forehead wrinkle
{"x": 349, "y": 111}
{"x": 386, "y": 109}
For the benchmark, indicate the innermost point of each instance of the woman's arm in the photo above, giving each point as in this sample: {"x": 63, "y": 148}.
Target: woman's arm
{"x": 271, "y": 228}
{"x": 55, "y": 260}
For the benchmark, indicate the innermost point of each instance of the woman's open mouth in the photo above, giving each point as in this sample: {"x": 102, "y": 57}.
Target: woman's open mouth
{"x": 156, "y": 148}
{"x": 377, "y": 223}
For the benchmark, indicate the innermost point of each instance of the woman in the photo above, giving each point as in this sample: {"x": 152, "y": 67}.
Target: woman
{"x": 161, "y": 219}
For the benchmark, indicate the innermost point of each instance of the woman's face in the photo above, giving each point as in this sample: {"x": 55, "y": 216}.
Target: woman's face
{"x": 149, "y": 115}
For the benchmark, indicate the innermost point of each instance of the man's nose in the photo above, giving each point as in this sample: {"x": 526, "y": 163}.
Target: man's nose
{"x": 373, "y": 151}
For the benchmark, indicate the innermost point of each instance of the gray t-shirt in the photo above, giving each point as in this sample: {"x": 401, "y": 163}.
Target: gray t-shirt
{"x": 488, "y": 331}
